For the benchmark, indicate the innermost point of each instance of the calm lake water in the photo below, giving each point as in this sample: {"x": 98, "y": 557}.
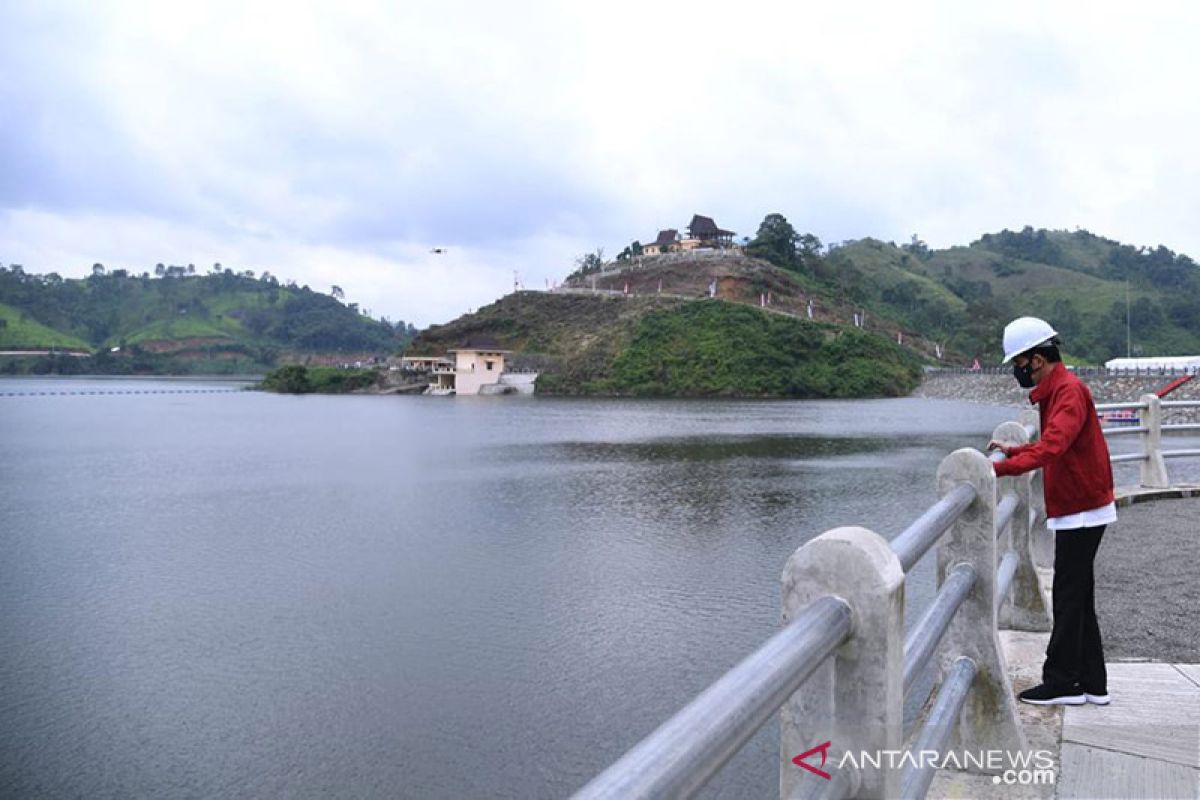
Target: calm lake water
{"x": 250, "y": 595}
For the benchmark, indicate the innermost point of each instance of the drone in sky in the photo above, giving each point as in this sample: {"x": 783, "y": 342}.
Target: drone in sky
{"x": 438, "y": 251}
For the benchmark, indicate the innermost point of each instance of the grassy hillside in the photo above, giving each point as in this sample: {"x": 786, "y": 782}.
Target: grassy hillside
{"x": 652, "y": 345}
{"x": 19, "y": 332}
{"x": 837, "y": 291}
{"x": 180, "y": 322}
{"x": 884, "y": 279}
{"x": 572, "y": 339}
{"x": 1076, "y": 280}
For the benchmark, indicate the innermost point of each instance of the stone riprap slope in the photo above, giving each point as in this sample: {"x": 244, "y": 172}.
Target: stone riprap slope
{"x": 1003, "y": 390}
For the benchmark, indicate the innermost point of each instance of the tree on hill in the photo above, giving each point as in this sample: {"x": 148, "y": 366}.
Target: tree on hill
{"x": 588, "y": 263}
{"x": 1029, "y": 244}
{"x": 632, "y": 250}
{"x": 808, "y": 251}
{"x": 776, "y": 242}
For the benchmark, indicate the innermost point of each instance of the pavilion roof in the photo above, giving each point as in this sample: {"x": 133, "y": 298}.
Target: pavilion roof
{"x": 704, "y": 226}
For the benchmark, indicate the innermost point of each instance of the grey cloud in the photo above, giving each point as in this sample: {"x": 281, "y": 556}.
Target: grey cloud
{"x": 431, "y": 167}
{"x": 61, "y": 148}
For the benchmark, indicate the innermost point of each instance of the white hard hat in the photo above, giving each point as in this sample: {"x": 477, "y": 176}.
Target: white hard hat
{"x": 1025, "y": 333}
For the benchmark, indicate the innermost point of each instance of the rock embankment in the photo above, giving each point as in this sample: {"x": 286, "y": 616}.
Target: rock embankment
{"x": 1003, "y": 390}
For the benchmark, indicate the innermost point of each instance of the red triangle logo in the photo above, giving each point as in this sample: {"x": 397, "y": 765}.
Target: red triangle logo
{"x": 823, "y": 749}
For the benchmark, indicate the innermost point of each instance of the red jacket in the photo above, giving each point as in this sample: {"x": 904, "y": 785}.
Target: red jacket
{"x": 1072, "y": 452}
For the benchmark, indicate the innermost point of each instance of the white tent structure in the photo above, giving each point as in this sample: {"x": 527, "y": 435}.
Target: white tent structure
{"x": 1166, "y": 363}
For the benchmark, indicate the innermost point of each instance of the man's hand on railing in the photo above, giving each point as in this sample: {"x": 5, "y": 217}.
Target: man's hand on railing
{"x": 995, "y": 445}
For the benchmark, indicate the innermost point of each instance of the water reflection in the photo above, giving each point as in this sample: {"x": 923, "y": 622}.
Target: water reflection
{"x": 260, "y": 595}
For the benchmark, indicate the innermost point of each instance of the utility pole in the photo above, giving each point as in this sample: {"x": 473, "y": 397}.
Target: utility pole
{"x": 1128, "y": 338}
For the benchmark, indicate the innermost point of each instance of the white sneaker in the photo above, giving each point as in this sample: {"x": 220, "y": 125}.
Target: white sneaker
{"x": 1098, "y": 699}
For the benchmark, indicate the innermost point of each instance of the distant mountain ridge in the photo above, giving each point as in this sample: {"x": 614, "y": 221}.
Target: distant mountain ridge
{"x": 220, "y": 322}
{"x": 963, "y": 296}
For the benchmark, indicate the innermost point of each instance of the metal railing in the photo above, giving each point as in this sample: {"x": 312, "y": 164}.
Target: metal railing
{"x": 840, "y": 667}
{"x": 1149, "y": 429}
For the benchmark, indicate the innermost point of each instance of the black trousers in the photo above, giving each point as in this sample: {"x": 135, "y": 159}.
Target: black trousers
{"x": 1075, "y": 655}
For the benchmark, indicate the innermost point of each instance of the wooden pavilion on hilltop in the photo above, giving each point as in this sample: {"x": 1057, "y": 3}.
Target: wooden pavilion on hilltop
{"x": 706, "y": 233}
{"x": 702, "y": 233}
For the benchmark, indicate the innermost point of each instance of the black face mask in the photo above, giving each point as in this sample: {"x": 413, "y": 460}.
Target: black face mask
{"x": 1024, "y": 375}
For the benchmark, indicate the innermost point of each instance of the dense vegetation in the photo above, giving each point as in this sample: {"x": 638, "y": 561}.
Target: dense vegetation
{"x": 648, "y": 345}
{"x": 298, "y": 379}
{"x": 716, "y": 348}
{"x": 179, "y": 321}
{"x": 962, "y": 297}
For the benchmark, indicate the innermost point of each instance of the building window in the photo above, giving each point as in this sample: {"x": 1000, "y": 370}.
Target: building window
{"x": 489, "y": 364}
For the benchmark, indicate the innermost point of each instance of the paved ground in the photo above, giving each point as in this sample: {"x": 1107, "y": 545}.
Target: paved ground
{"x": 1146, "y": 744}
{"x": 1148, "y": 582}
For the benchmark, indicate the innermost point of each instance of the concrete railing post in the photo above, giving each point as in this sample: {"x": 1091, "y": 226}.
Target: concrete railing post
{"x": 1025, "y": 609}
{"x": 989, "y": 719}
{"x": 855, "y": 701}
{"x": 1042, "y": 539}
{"x": 1154, "y": 467}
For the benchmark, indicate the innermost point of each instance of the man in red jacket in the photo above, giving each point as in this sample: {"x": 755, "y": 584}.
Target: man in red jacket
{"x": 1077, "y": 478}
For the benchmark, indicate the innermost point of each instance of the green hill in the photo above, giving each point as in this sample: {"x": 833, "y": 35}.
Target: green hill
{"x": 179, "y": 322}
{"x": 19, "y": 332}
{"x": 1075, "y": 279}
{"x": 669, "y": 346}
{"x": 639, "y": 326}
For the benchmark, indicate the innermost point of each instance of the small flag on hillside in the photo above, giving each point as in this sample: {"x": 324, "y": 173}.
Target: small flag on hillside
{"x": 899, "y": 337}
{"x": 660, "y": 285}
{"x": 712, "y": 288}
{"x": 626, "y": 287}
{"x": 937, "y": 348}
{"x": 810, "y": 309}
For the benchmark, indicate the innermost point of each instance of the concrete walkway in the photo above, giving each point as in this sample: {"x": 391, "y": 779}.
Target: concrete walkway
{"x": 1146, "y": 744}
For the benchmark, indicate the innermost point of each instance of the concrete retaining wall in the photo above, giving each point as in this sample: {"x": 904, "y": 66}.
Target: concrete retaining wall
{"x": 1003, "y": 390}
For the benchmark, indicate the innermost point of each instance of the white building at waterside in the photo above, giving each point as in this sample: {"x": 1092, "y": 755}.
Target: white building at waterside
{"x": 477, "y": 366}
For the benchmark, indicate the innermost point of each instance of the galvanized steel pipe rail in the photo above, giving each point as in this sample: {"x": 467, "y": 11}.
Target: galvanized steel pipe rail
{"x": 678, "y": 758}
{"x": 681, "y": 756}
{"x": 1149, "y": 430}
{"x": 942, "y": 721}
{"x": 927, "y": 634}
{"x": 853, "y": 627}
{"x": 915, "y": 540}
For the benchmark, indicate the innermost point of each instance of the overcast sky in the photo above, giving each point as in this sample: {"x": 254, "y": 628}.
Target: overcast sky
{"x": 339, "y": 142}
